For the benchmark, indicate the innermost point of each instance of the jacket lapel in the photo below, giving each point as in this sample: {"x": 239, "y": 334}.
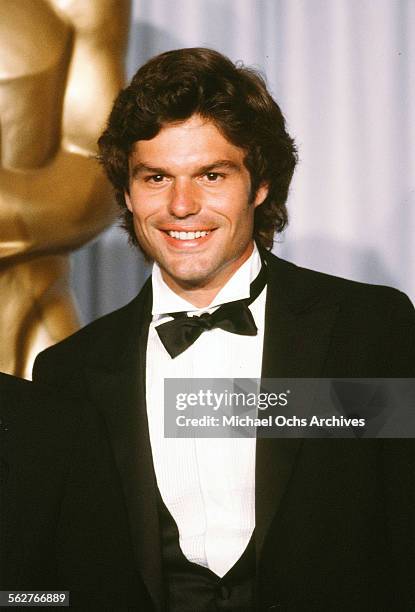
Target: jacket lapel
{"x": 117, "y": 386}
{"x": 296, "y": 340}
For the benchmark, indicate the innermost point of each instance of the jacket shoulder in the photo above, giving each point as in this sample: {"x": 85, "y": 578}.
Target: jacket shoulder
{"x": 55, "y": 363}
{"x": 319, "y": 286}
{"x": 374, "y": 325}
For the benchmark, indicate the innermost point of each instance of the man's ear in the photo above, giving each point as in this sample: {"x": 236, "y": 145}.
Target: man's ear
{"x": 128, "y": 201}
{"x": 261, "y": 194}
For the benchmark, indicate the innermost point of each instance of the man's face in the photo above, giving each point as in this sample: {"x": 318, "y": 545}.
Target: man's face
{"x": 190, "y": 195}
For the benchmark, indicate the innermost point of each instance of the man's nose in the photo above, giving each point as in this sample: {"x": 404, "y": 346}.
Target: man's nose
{"x": 183, "y": 200}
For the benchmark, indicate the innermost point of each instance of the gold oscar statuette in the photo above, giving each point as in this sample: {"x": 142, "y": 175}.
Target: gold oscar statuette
{"x": 61, "y": 66}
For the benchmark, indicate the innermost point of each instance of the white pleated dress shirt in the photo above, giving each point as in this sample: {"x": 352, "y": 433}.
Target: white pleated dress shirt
{"x": 208, "y": 484}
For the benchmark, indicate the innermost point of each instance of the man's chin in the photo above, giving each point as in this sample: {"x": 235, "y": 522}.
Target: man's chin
{"x": 191, "y": 280}
{"x": 187, "y": 277}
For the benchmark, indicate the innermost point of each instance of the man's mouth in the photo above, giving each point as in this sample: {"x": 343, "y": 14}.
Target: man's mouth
{"x": 188, "y": 235}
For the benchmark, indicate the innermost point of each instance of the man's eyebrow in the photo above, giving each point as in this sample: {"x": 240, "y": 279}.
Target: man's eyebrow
{"x": 142, "y": 167}
{"x": 216, "y": 165}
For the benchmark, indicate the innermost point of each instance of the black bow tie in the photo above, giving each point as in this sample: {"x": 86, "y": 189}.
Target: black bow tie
{"x": 235, "y": 317}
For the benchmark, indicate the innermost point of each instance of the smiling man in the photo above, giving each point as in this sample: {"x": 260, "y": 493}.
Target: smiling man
{"x": 200, "y": 161}
{"x": 193, "y": 211}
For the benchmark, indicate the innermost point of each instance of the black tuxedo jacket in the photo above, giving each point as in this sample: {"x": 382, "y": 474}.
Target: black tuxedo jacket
{"x": 334, "y": 518}
{"x": 60, "y": 494}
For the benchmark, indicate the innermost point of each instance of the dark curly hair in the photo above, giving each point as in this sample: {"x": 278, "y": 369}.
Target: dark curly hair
{"x": 174, "y": 86}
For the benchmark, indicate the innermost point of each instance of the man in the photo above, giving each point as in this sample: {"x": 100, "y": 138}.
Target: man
{"x": 59, "y": 495}
{"x": 201, "y": 162}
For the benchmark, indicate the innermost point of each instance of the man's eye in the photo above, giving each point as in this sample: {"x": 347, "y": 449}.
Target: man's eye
{"x": 155, "y": 178}
{"x": 212, "y": 176}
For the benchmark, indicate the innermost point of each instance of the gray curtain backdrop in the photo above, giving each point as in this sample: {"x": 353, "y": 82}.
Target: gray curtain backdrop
{"x": 343, "y": 73}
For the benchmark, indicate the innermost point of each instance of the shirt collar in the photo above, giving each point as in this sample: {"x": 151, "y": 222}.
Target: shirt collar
{"x": 165, "y": 300}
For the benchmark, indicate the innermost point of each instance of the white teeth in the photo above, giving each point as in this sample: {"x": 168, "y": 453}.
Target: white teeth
{"x": 188, "y": 235}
